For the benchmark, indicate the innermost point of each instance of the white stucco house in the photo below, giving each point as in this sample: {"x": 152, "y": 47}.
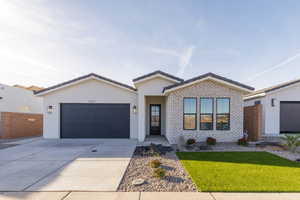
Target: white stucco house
{"x": 93, "y": 106}
{"x": 280, "y": 108}
{"x": 19, "y": 100}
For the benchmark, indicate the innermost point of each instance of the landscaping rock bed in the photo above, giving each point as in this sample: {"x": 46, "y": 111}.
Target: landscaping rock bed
{"x": 175, "y": 180}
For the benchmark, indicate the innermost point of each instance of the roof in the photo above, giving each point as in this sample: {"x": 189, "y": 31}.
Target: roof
{"x": 46, "y": 90}
{"x": 209, "y": 75}
{"x": 31, "y": 88}
{"x": 158, "y": 72}
{"x": 262, "y": 92}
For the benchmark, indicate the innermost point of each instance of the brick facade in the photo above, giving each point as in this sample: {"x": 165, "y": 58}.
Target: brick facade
{"x": 17, "y": 125}
{"x": 174, "y": 115}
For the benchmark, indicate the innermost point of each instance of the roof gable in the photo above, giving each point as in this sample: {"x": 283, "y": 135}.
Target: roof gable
{"x": 84, "y": 78}
{"x": 209, "y": 76}
{"x": 156, "y": 74}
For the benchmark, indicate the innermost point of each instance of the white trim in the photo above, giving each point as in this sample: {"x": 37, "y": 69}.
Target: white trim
{"x": 81, "y": 80}
{"x": 156, "y": 76}
{"x": 204, "y": 79}
{"x": 255, "y": 96}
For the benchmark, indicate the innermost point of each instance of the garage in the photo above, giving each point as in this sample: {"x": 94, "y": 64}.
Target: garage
{"x": 101, "y": 120}
{"x": 289, "y": 117}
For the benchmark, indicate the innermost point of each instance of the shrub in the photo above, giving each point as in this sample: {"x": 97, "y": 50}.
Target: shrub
{"x": 211, "y": 141}
{"x": 291, "y": 142}
{"x": 155, "y": 163}
{"x": 159, "y": 173}
{"x": 190, "y": 141}
{"x": 242, "y": 141}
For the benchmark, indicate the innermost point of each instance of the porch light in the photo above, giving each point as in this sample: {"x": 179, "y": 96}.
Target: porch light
{"x": 134, "y": 109}
{"x": 50, "y": 109}
{"x": 273, "y": 102}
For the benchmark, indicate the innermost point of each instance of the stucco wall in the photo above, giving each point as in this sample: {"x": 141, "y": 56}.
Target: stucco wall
{"x": 271, "y": 115}
{"x": 90, "y": 91}
{"x": 174, "y": 126}
{"x": 152, "y": 87}
{"x": 19, "y": 100}
{"x": 272, "y": 118}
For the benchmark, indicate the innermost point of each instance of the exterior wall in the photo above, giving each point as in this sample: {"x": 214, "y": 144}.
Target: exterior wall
{"x": 272, "y": 118}
{"x": 152, "y": 87}
{"x": 19, "y": 100}
{"x": 174, "y": 126}
{"x": 90, "y": 91}
{"x": 17, "y": 125}
{"x": 156, "y": 100}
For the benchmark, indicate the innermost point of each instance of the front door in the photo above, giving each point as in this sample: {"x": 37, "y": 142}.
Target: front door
{"x": 155, "y": 116}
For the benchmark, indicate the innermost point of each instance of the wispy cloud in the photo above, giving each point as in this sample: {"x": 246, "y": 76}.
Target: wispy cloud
{"x": 274, "y": 67}
{"x": 184, "y": 60}
{"x": 184, "y": 57}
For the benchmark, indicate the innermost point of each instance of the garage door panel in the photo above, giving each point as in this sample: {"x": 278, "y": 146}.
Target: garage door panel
{"x": 289, "y": 117}
{"x": 95, "y": 120}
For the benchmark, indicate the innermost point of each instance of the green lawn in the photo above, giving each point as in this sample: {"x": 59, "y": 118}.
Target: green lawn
{"x": 241, "y": 172}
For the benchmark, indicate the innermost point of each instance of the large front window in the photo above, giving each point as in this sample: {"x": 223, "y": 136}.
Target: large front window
{"x": 223, "y": 114}
{"x": 206, "y": 113}
{"x": 189, "y": 113}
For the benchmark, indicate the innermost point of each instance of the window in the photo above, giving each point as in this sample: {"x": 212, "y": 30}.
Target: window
{"x": 206, "y": 113}
{"x": 223, "y": 114}
{"x": 189, "y": 113}
{"x": 256, "y": 102}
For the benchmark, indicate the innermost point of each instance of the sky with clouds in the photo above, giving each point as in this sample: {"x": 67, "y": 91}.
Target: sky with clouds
{"x": 44, "y": 42}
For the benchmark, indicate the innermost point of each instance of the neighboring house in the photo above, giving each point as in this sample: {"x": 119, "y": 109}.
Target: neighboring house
{"x": 93, "y": 106}
{"x": 280, "y": 107}
{"x": 15, "y": 99}
{"x": 20, "y": 113}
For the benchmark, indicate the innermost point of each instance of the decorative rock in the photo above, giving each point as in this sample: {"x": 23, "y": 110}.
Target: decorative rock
{"x": 94, "y": 150}
{"x": 138, "y": 182}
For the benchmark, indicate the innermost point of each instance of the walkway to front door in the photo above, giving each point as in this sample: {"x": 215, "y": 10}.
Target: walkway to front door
{"x": 155, "y": 119}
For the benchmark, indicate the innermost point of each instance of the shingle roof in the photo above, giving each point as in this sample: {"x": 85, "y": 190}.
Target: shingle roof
{"x": 209, "y": 75}
{"x": 158, "y": 72}
{"x": 84, "y": 77}
{"x": 273, "y": 88}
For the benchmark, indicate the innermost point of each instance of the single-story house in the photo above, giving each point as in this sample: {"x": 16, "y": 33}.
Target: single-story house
{"x": 93, "y": 106}
{"x": 20, "y": 112}
{"x": 280, "y": 108}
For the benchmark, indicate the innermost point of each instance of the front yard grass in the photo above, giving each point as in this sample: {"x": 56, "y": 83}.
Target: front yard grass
{"x": 241, "y": 171}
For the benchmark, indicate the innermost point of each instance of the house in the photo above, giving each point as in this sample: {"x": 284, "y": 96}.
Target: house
{"x": 20, "y": 112}
{"x": 280, "y": 108}
{"x": 93, "y": 106}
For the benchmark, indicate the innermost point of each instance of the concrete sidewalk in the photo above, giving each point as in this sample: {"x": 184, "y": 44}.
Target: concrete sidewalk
{"x": 146, "y": 196}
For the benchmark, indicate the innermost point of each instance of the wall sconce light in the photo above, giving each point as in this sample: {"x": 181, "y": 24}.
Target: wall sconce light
{"x": 273, "y": 102}
{"x": 134, "y": 109}
{"x": 50, "y": 109}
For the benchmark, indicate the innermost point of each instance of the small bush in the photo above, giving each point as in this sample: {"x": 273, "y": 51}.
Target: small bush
{"x": 155, "y": 163}
{"x": 291, "y": 142}
{"x": 242, "y": 141}
{"x": 159, "y": 173}
{"x": 211, "y": 141}
{"x": 190, "y": 141}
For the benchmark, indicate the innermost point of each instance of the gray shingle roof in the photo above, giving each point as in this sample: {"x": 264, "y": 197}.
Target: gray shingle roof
{"x": 83, "y": 77}
{"x": 209, "y": 75}
{"x": 158, "y": 72}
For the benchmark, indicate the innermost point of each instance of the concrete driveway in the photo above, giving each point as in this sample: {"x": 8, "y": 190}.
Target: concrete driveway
{"x": 65, "y": 165}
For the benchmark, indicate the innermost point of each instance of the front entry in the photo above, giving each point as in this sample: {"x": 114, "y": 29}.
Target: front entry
{"x": 155, "y": 119}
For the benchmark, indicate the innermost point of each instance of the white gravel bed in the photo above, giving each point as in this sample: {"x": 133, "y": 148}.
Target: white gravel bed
{"x": 176, "y": 179}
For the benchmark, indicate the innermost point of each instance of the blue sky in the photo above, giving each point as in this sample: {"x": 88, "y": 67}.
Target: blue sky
{"x": 46, "y": 42}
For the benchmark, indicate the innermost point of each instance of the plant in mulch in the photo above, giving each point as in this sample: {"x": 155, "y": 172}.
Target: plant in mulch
{"x": 291, "y": 142}
{"x": 155, "y": 163}
{"x": 242, "y": 141}
{"x": 159, "y": 173}
{"x": 211, "y": 141}
{"x": 190, "y": 141}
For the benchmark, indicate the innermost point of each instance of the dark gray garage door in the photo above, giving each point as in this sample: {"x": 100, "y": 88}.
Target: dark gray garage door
{"x": 290, "y": 117}
{"x": 95, "y": 120}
